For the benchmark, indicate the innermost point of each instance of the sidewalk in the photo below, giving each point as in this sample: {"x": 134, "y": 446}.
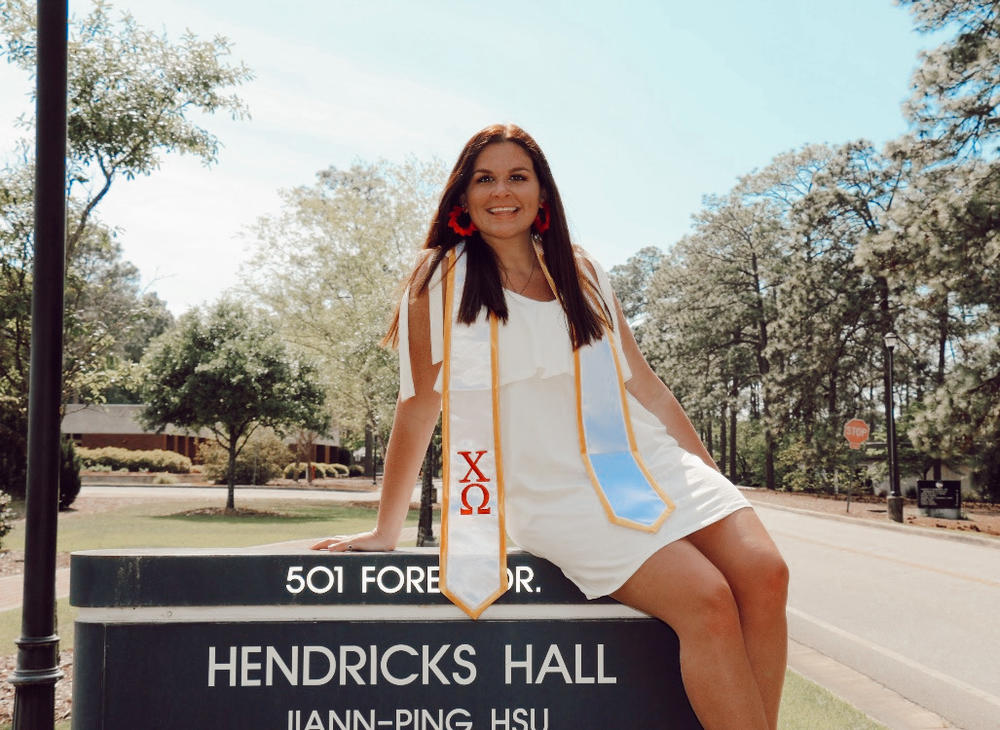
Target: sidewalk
{"x": 12, "y": 587}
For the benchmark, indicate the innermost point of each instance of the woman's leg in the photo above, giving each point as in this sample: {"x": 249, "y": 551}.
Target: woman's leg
{"x": 680, "y": 586}
{"x": 741, "y": 549}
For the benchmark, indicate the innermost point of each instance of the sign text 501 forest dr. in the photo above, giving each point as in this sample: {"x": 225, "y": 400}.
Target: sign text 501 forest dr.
{"x": 389, "y": 579}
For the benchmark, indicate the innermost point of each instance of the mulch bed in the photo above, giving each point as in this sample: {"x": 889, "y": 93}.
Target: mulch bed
{"x": 981, "y": 518}
{"x": 64, "y": 687}
{"x": 12, "y": 562}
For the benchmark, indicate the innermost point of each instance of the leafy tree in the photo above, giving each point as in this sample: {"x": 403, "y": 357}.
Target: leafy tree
{"x": 108, "y": 320}
{"x": 69, "y": 473}
{"x": 954, "y": 106}
{"x": 712, "y": 311}
{"x": 832, "y": 310}
{"x": 763, "y": 311}
{"x": 15, "y": 329}
{"x": 942, "y": 246}
{"x": 226, "y": 370}
{"x": 264, "y": 458}
{"x": 631, "y": 281}
{"x": 944, "y": 243}
{"x": 130, "y": 95}
{"x": 328, "y": 266}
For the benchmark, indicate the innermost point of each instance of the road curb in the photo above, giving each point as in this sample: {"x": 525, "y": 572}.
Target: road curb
{"x": 880, "y": 703}
{"x": 943, "y": 534}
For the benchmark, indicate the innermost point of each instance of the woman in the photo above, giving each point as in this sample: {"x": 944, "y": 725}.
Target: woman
{"x": 708, "y": 568}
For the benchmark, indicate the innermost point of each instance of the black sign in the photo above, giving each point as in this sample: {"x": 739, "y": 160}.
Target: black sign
{"x": 356, "y": 642}
{"x": 500, "y": 675}
{"x": 939, "y": 494}
{"x": 211, "y": 578}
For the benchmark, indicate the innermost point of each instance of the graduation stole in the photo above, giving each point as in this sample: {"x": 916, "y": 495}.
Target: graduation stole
{"x": 473, "y": 562}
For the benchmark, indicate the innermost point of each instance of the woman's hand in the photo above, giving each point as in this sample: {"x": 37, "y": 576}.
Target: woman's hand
{"x": 363, "y": 542}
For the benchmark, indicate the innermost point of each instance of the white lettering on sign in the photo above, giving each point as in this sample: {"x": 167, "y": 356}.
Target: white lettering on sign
{"x": 421, "y": 718}
{"x": 319, "y": 579}
{"x": 519, "y": 718}
{"x": 307, "y": 666}
{"x": 215, "y": 666}
{"x": 392, "y": 579}
{"x": 554, "y": 664}
{"x": 520, "y": 579}
{"x": 419, "y": 579}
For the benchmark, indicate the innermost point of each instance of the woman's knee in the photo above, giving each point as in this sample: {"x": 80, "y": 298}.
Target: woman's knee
{"x": 714, "y": 612}
{"x": 772, "y": 573}
{"x": 764, "y": 581}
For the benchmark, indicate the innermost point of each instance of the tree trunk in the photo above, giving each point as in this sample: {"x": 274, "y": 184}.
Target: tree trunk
{"x": 723, "y": 439}
{"x": 885, "y": 319}
{"x": 425, "y": 526}
{"x": 732, "y": 434}
{"x": 763, "y": 368}
{"x": 769, "y": 481}
{"x": 939, "y": 375}
{"x": 231, "y": 496}
{"x": 369, "y": 456}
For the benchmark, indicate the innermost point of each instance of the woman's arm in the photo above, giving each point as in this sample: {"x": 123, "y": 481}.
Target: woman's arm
{"x": 656, "y": 397}
{"x": 412, "y": 427}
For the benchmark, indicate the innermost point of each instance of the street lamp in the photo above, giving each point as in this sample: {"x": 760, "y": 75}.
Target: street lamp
{"x": 895, "y": 499}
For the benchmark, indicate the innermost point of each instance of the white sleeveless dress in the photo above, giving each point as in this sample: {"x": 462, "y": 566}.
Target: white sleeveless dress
{"x": 551, "y": 508}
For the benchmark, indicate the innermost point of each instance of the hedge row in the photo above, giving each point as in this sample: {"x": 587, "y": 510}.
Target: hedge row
{"x": 134, "y": 460}
{"x": 298, "y": 470}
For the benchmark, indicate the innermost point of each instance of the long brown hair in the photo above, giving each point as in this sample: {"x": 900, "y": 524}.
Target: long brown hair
{"x": 482, "y": 279}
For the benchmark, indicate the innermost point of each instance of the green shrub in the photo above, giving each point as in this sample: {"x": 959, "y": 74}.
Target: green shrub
{"x": 295, "y": 470}
{"x": 356, "y": 470}
{"x": 69, "y": 474}
{"x": 259, "y": 461}
{"x": 119, "y": 459}
{"x": 339, "y": 470}
{"x": 6, "y": 515}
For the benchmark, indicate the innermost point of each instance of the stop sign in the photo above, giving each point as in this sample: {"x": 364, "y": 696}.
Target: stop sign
{"x": 856, "y": 432}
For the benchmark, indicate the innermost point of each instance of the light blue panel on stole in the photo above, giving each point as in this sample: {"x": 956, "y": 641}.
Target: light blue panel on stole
{"x": 626, "y": 488}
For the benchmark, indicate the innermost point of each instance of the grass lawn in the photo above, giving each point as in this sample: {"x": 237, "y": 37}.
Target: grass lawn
{"x": 170, "y": 524}
{"x": 807, "y": 706}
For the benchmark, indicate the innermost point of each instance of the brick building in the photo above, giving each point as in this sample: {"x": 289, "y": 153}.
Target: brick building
{"x": 94, "y": 426}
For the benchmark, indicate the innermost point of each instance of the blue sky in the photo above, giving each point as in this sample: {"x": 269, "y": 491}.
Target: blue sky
{"x": 641, "y": 110}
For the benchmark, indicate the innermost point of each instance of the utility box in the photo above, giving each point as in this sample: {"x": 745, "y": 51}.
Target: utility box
{"x": 301, "y": 640}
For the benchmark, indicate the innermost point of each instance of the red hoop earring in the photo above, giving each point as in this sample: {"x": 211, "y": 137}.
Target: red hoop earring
{"x": 454, "y": 225}
{"x": 543, "y": 219}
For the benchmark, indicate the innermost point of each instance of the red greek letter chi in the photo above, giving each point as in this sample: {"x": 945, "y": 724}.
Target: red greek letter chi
{"x": 472, "y": 467}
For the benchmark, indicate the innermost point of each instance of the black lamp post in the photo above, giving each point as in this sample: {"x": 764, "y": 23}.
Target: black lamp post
{"x": 37, "y": 669}
{"x": 895, "y": 499}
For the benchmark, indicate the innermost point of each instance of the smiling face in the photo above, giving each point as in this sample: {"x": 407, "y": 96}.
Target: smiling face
{"x": 503, "y": 194}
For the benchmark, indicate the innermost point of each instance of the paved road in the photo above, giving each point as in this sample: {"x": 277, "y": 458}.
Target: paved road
{"x": 915, "y": 612}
